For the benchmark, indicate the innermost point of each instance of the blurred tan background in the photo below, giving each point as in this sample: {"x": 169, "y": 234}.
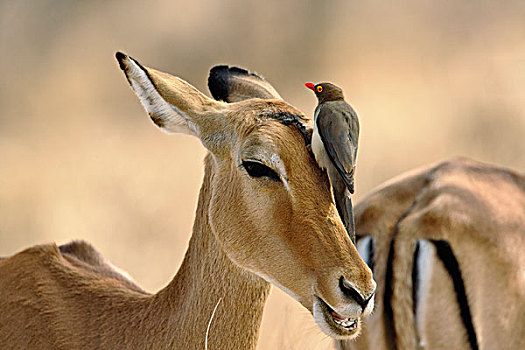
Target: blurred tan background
{"x": 79, "y": 157}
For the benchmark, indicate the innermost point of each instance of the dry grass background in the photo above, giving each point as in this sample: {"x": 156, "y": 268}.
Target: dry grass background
{"x": 79, "y": 157}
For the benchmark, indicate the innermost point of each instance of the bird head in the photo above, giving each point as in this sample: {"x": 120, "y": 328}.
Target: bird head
{"x": 326, "y": 91}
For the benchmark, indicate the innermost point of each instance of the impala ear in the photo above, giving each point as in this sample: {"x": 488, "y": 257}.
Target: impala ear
{"x": 234, "y": 84}
{"x": 173, "y": 104}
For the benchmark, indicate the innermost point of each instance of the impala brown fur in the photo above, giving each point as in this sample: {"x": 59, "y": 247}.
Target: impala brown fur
{"x": 479, "y": 210}
{"x": 248, "y": 231}
{"x": 82, "y": 255}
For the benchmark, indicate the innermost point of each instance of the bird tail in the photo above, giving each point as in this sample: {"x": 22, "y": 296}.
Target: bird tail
{"x": 349, "y": 221}
{"x": 349, "y": 180}
{"x": 346, "y": 212}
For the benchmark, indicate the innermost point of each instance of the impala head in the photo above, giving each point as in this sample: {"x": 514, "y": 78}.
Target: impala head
{"x": 271, "y": 209}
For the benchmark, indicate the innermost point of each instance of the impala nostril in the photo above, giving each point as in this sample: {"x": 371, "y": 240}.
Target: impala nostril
{"x": 350, "y": 292}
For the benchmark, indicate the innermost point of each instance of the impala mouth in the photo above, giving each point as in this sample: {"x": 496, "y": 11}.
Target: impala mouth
{"x": 347, "y": 323}
{"x": 334, "y": 324}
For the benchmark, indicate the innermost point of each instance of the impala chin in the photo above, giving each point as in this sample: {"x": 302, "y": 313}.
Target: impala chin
{"x": 338, "y": 325}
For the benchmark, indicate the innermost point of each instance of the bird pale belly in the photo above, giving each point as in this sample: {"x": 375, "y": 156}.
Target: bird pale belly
{"x": 319, "y": 151}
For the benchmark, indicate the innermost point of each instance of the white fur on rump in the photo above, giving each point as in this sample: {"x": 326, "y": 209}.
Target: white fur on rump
{"x": 363, "y": 247}
{"x": 424, "y": 267}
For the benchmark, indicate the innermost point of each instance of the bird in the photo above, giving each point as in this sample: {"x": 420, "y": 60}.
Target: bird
{"x": 334, "y": 144}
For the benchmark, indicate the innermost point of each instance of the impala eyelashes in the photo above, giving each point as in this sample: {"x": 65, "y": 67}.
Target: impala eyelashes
{"x": 258, "y": 169}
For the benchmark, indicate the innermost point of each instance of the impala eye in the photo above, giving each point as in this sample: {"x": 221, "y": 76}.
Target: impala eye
{"x": 256, "y": 169}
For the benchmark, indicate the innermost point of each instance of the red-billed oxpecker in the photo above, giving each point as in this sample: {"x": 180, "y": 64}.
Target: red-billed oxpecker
{"x": 334, "y": 145}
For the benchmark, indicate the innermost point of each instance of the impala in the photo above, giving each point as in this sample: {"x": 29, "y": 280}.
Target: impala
{"x": 265, "y": 215}
{"x": 447, "y": 247}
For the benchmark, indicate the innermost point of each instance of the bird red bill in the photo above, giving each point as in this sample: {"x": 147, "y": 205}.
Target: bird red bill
{"x": 311, "y": 86}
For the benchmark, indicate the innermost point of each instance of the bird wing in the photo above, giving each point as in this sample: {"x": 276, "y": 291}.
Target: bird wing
{"x": 339, "y": 131}
{"x": 234, "y": 84}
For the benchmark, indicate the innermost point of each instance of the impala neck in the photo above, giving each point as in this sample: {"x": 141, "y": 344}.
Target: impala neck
{"x": 207, "y": 278}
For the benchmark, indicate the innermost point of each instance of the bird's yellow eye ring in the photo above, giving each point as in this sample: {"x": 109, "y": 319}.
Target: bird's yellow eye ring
{"x": 319, "y": 88}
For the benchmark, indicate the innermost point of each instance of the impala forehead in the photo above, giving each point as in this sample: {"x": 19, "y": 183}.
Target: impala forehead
{"x": 255, "y": 113}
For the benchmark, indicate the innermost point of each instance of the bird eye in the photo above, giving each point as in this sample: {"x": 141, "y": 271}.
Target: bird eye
{"x": 319, "y": 88}
{"x": 256, "y": 169}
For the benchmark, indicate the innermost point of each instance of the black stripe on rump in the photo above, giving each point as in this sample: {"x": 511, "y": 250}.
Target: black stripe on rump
{"x": 447, "y": 257}
{"x": 371, "y": 252}
{"x": 390, "y": 332}
{"x": 415, "y": 277}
